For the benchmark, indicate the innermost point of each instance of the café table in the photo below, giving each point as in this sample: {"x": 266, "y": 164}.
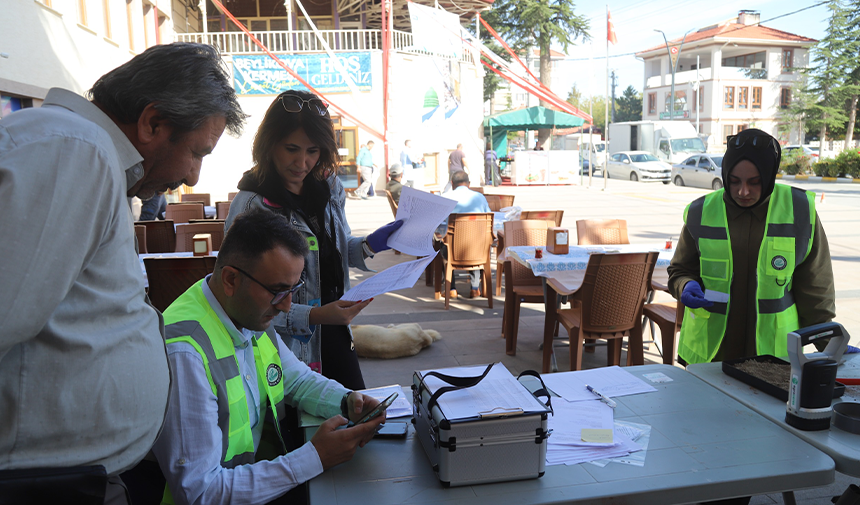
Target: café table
{"x": 567, "y": 272}
{"x": 842, "y": 446}
{"x": 704, "y": 446}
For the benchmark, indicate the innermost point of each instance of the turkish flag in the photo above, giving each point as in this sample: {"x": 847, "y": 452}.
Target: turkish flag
{"x": 610, "y": 29}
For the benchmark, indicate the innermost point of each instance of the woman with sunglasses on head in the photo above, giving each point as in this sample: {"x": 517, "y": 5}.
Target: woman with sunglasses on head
{"x": 294, "y": 174}
{"x": 752, "y": 262}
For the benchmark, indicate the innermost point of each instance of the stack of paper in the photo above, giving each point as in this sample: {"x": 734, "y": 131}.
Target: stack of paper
{"x": 569, "y": 445}
{"x": 499, "y": 392}
{"x": 579, "y": 409}
{"x": 401, "y": 406}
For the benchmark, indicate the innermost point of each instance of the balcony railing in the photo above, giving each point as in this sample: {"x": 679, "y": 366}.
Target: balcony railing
{"x": 305, "y": 41}
{"x": 688, "y": 76}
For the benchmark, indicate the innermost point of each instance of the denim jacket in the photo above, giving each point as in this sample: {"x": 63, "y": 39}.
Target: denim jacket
{"x": 294, "y": 328}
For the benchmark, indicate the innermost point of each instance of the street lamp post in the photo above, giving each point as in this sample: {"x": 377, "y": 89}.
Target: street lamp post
{"x": 674, "y": 66}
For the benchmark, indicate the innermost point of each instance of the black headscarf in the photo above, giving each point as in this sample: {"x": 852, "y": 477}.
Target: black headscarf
{"x": 760, "y": 149}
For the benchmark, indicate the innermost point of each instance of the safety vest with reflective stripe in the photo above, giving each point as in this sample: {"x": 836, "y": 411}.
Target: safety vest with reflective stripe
{"x": 786, "y": 244}
{"x": 192, "y": 320}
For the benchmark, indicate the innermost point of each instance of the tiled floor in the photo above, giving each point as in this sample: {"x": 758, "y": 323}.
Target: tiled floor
{"x": 471, "y": 332}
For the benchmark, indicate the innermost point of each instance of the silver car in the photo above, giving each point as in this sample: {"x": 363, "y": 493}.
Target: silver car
{"x": 638, "y": 166}
{"x": 699, "y": 171}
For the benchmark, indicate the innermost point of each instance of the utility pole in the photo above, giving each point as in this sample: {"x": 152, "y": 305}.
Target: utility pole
{"x": 614, "y": 83}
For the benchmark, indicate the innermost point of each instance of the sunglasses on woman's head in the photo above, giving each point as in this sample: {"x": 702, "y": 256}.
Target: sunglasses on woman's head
{"x": 294, "y": 103}
{"x": 756, "y": 141}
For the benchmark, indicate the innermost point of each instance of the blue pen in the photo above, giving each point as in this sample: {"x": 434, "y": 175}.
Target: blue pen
{"x": 605, "y": 399}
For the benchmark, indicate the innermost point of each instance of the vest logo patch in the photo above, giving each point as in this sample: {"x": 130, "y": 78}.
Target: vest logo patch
{"x": 273, "y": 374}
{"x": 779, "y": 262}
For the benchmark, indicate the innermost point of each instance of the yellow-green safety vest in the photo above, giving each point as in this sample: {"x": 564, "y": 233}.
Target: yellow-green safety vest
{"x": 786, "y": 244}
{"x": 192, "y": 320}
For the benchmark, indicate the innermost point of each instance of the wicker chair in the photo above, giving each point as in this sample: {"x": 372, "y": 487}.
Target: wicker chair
{"x": 468, "y": 242}
{"x": 140, "y": 235}
{"x": 552, "y": 217}
{"x": 222, "y": 209}
{"x": 170, "y": 277}
{"x": 204, "y": 198}
{"x": 185, "y": 235}
{"x": 393, "y": 206}
{"x": 521, "y": 285}
{"x": 232, "y": 195}
{"x": 607, "y": 306}
{"x": 601, "y": 231}
{"x": 499, "y": 202}
{"x": 668, "y": 317}
{"x": 182, "y": 212}
{"x": 160, "y": 236}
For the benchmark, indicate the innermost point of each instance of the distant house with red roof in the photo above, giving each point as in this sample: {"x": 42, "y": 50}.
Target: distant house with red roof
{"x": 745, "y": 73}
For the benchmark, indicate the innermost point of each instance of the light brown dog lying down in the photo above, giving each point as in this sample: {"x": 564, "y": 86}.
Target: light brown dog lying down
{"x": 393, "y": 341}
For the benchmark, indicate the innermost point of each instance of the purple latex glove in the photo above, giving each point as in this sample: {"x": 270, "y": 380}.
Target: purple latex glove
{"x": 378, "y": 240}
{"x": 851, "y": 350}
{"x": 693, "y": 297}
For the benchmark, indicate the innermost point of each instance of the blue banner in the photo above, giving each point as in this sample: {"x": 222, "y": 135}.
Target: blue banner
{"x": 260, "y": 75}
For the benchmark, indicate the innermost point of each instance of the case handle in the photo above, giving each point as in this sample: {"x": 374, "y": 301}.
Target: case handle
{"x": 543, "y": 391}
{"x": 457, "y": 383}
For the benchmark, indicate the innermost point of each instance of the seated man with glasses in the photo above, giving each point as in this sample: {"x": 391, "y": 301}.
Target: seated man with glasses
{"x": 232, "y": 375}
{"x": 752, "y": 262}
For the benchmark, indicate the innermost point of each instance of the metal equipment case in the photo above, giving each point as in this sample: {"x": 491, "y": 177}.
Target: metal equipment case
{"x": 492, "y": 447}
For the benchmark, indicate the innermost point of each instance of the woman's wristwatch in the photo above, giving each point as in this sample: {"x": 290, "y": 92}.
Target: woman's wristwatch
{"x": 368, "y": 252}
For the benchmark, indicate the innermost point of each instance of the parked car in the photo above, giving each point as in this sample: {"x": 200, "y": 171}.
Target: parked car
{"x": 638, "y": 166}
{"x": 584, "y": 170}
{"x": 810, "y": 151}
{"x": 699, "y": 171}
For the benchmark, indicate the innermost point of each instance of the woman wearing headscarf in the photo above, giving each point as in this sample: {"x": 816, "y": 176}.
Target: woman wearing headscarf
{"x": 295, "y": 159}
{"x": 752, "y": 262}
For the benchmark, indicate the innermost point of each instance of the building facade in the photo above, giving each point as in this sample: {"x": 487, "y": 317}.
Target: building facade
{"x": 434, "y": 99}
{"x": 744, "y": 72}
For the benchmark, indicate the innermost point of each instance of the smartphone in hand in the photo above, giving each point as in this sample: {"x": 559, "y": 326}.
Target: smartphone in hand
{"x": 377, "y": 411}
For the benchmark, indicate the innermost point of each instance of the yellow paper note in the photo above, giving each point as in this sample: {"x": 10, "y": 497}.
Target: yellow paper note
{"x": 598, "y": 436}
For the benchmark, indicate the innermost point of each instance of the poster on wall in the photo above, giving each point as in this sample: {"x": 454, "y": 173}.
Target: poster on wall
{"x": 260, "y": 75}
{"x": 435, "y": 30}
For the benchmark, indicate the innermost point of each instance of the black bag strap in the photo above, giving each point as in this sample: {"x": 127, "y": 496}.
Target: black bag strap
{"x": 456, "y": 383}
{"x": 543, "y": 391}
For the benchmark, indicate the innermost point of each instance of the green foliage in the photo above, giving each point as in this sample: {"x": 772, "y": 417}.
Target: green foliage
{"x": 825, "y": 168}
{"x": 581, "y": 102}
{"x": 629, "y": 106}
{"x": 846, "y": 163}
{"x": 526, "y": 23}
{"x": 795, "y": 163}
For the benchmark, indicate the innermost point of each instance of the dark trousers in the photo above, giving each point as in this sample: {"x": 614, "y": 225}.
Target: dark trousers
{"x": 339, "y": 359}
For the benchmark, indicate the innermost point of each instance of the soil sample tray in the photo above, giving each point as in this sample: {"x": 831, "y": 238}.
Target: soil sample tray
{"x": 768, "y": 374}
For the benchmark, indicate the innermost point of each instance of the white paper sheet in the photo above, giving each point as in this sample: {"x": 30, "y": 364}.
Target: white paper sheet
{"x": 401, "y": 406}
{"x": 497, "y": 393}
{"x": 400, "y": 276}
{"x": 611, "y": 381}
{"x": 422, "y": 213}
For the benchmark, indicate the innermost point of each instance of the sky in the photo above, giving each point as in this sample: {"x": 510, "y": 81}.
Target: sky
{"x": 636, "y": 20}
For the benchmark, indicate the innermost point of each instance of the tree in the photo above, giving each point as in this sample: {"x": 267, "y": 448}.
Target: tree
{"x": 528, "y": 23}
{"x": 629, "y": 106}
{"x": 575, "y": 98}
{"x": 493, "y": 82}
{"x": 826, "y": 78}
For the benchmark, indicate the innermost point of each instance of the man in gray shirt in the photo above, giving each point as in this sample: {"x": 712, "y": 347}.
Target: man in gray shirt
{"x": 83, "y": 370}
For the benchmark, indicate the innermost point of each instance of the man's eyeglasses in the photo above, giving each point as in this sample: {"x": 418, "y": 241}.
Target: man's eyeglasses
{"x": 278, "y": 296}
{"x": 756, "y": 141}
{"x": 294, "y": 103}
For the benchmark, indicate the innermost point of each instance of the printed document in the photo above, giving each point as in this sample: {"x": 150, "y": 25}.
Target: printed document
{"x": 399, "y": 276}
{"x": 611, "y": 381}
{"x": 421, "y": 212}
{"x": 498, "y": 393}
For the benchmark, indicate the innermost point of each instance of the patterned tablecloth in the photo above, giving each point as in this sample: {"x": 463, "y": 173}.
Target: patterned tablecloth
{"x": 577, "y": 257}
